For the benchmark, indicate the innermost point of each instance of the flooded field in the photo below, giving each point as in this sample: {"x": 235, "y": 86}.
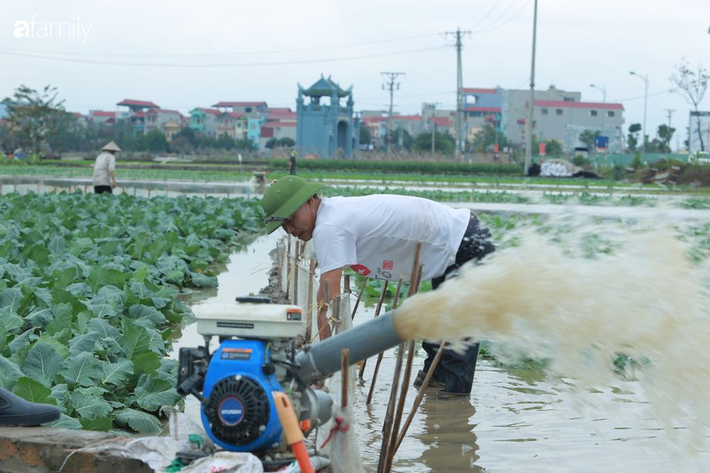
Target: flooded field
{"x": 516, "y": 420}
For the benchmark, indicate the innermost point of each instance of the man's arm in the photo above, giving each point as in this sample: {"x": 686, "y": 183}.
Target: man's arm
{"x": 113, "y": 179}
{"x": 333, "y": 280}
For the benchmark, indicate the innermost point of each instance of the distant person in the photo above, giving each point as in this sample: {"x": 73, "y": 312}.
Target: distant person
{"x": 105, "y": 169}
{"x": 376, "y": 236}
{"x": 292, "y": 163}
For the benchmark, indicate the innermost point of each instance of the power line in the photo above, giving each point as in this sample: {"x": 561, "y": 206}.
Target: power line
{"x": 506, "y": 10}
{"x": 218, "y": 65}
{"x": 486, "y": 15}
{"x": 243, "y": 53}
{"x": 628, "y": 99}
{"x": 511, "y": 18}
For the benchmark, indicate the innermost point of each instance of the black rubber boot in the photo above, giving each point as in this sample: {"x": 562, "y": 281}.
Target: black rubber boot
{"x": 16, "y": 412}
{"x": 433, "y": 382}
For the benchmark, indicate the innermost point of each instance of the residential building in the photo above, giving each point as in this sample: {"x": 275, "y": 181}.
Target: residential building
{"x": 277, "y": 130}
{"x": 326, "y": 130}
{"x": 101, "y": 117}
{"x": 247, "y": 108}
{"x": 156, "y": 118}
{"x": 254, "y": 125}
{"x": 558, "y": 115}
{"x": 136, "y": 106}
{"x": 205, "y": 121}
{"x": 232, "y": 124}
{"x": 171, "y": 128}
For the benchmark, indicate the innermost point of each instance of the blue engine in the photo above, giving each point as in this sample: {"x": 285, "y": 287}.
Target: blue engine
{"x": 238, "y": 409}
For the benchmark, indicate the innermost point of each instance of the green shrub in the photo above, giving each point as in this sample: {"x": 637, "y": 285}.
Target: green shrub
{"x": 414, "y": 167}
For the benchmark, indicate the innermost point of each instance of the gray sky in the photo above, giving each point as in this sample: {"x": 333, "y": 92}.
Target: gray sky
{"x": 579, "y": 42}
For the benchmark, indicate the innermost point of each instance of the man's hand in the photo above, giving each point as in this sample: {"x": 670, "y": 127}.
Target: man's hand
{"x": 332, "y": 278}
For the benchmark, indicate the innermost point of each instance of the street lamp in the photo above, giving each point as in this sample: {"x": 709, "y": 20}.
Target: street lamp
{"x": 645, "y": 102}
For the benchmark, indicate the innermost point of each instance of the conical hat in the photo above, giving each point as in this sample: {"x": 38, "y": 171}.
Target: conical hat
{"x": 112, "y": 146}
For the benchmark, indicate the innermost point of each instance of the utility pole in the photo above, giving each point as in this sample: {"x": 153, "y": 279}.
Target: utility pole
{"x": 670, "y": 115}
{"x": 432, "y": 119}
{"x": 460, "y": 133}
{"x": 390, "y": 78}
{"x": 644, "y": 78}
{"x": 531, "y": 103}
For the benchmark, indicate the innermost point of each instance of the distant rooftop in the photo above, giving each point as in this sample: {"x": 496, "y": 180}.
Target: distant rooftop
{"x": 478, "y": 91}
{"x": 238, "y": 104}
{"x": 136, "y": 103}
{"x": 325, "y": 87}
{"x": 563, "y": 104}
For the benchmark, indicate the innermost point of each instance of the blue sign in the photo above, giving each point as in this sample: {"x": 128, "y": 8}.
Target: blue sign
{"x": 231, "y": 411}
{"x": 601, "y": 142}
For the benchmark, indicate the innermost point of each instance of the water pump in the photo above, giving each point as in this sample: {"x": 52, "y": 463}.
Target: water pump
{"x": 257, "y": 356}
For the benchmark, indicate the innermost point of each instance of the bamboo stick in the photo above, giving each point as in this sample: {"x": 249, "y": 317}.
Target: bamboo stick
{"x": 346, "y": 283}
{"x": 377, "y": 313}
{"x": 288, "y": 268}
{"x": 420, "y": 395}
{"x": 309, "y": 307}
{"x": 387, "y": 427}
{"x": 382, "y": 354}
{"x": 359, "y": 296}
{"x": 295, "y": 275}
{"x": 345, "y": 373}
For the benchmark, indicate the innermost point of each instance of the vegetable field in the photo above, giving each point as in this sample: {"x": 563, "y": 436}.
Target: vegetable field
{"x": 88, "y": 288}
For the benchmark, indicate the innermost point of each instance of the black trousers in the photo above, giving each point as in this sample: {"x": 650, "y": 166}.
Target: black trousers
{"x": 102, "y": 189}
{"x": 456, "y": 370}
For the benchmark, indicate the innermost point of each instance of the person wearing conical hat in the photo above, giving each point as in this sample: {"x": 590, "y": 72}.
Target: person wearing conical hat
{"x": 105, "y": 169}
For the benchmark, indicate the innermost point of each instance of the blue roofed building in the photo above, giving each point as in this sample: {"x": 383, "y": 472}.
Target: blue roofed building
{"x": 326, "y": 130}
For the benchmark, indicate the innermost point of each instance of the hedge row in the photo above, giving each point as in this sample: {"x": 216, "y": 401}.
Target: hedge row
{"x": 412, "y": 167}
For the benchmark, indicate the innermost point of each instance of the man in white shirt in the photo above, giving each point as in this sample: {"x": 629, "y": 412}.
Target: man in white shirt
{"x": 376, "y": 236}
{"x": 105, "y": 169}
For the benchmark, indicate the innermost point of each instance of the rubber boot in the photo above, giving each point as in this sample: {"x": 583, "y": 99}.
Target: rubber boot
{"x": 16, "y": 412}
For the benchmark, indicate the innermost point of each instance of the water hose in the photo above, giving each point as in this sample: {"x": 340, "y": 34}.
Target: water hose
{"x": 294, "y": 435}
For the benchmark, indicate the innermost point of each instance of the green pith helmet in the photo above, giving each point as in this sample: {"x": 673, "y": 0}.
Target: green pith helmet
{"x": 284, "y": 197}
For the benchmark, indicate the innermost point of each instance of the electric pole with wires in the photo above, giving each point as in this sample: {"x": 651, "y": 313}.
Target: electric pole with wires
{"x": 460, "y": 132}
{"x": 391, "y": 83}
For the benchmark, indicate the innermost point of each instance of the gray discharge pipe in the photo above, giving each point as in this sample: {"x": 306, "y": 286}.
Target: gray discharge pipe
{"x": 323, "y": 359}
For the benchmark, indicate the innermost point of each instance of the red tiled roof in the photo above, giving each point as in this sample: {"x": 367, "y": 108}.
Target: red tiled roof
{"x": 374, "y": 119}
{"x": 239, "y": 104}
{"x": 99, "y": 113}
{"x": 210, "y": 111}
{"x": 282, "y": 115}
{"x": 441, "y": 121}
{"x": 154, "y": 111}
{"x": 478, "y": 91}
{"x": 77, "y": 114}
{"x": 137, "y": 103}
{"x": 483, "y": 109}
{"x": 563, "y": 104}
{"x": 236, "y": 114}
{"x": 278, "y": 110}
{"x": 278, "y": 125}
{"x": 406, "y": 117}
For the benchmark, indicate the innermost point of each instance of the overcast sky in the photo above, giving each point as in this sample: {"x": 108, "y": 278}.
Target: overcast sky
{"x": 254, "y": 50}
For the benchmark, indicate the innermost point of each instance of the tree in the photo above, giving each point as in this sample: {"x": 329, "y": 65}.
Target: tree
{"x": 272, "y": 143}
{"x": 692, "y": 86}
{"x": 632, "y": 139}
{"x": 225, "y": 142}
{"x": 443, "y": 143}
{"x": 553, "y": 148}
{"x": 665, "y": 134}
{"x": 189, "y": 134}
{"x": 588, "y": 137}
{"x": 286, "y": 142}
{"x": 401, "y": 139}
{"x": 365, "y": 135}
{"x": 31, "y": 116}
{"x": 485, "y": 139}
{"x": 155, "y": 142}
{"x": 245, "y": 145}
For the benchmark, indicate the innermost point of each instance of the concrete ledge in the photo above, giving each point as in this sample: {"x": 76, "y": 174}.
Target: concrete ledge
{"x": 44, "y": 450}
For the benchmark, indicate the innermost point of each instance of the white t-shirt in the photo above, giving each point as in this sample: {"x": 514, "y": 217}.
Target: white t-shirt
{"x": 377, "y": 235}
{"x": 105, "y": 163}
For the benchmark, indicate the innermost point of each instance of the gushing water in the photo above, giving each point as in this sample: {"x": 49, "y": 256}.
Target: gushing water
{"x": 641, "y": 297}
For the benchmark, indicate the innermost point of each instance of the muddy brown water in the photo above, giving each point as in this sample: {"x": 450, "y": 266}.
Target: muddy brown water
{"x": 514, "y": 421}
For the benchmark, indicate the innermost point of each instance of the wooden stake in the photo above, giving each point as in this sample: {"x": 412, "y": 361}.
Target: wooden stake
{"x": 295, "y": 275}
{"x": 309, "y": 307}
{"x": 345, "y": 373}
{"x": 359, "y": 296}
{"x": 387, "y": 427}
{"x": 377, "y": 313}
{"x": 420, "y": 395}
{"x": 288, "y": 269}
{"x": 382, "y": 354}
{"x": 346, "y": 283}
